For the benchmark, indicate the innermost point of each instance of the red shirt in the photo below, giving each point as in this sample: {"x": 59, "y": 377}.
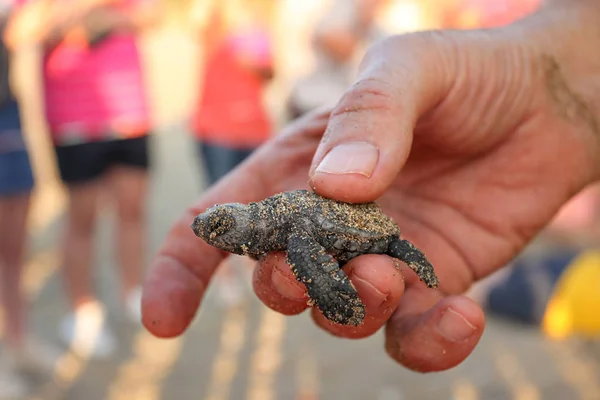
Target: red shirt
{"x": 231, "y": 110}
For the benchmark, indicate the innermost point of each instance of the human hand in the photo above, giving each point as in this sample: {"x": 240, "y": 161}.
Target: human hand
{"x": 472, "y": 141}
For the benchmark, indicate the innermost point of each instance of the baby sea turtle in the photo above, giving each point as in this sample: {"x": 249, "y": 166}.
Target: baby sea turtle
{"x": 319, "y": 235}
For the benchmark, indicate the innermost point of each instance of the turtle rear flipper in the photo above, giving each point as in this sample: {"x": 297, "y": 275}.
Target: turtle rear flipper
{"x": 328, "y": 286}
{"x": 406, "y": 252}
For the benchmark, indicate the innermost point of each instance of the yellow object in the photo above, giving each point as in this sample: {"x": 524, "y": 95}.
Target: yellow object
{"x": 574, "y": 307}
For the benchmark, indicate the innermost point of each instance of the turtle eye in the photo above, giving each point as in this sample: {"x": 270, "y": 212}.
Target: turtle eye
{"x": 220, "y": 223}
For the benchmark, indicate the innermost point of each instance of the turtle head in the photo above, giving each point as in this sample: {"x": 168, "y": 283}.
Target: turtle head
{"x": 225, "y": 226}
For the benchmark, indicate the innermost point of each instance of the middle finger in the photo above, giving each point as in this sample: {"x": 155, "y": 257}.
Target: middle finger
{"x": 377, "y": 279}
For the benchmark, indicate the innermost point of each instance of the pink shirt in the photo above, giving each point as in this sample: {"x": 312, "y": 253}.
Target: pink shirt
{"x": 95, "y": 93}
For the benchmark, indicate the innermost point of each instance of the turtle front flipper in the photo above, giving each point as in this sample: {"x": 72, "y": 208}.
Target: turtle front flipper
{"x": 406, "y": 252}
{"x": 328, "y": 286}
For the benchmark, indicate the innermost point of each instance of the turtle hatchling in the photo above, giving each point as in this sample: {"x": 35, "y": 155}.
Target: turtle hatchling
{"x": 319, "y": 236}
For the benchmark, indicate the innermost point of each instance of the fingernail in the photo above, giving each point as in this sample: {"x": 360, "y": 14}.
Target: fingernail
{"x": 369, "y": 293}
{"x": 286, "y": 287}
{"x": 454, "y": 326}
{"x": 350, "y": 158}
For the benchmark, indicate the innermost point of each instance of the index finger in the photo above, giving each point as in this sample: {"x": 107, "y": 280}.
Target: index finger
{"x": 180, "y": 273}
{"x": 185, "y": 264}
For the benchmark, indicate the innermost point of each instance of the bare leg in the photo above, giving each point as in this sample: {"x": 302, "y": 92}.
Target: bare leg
{"x": 13, "y": 237}
{"x": 85, "y": 330}
{"x": 79, "y": 241}
{"x": 24, "y": 350}
{"x": 129, "y": 187}
{"x": 228, "y": 280}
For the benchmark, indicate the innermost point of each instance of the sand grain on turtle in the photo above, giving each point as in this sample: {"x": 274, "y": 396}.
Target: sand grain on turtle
{"x": 319, "y": 235}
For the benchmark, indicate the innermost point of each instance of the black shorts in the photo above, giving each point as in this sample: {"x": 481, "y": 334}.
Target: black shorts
{"x": 88, "y": 161}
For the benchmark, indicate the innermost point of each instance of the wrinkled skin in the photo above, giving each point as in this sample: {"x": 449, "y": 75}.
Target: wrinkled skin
{"x": 479, "y": 138}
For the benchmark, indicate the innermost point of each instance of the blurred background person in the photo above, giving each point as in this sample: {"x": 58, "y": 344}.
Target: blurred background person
{"x": 231, "y": 118}
{"x": 99, "y": 120}
{"x": 21, "y": 352}
{"x": 339, "y": 40}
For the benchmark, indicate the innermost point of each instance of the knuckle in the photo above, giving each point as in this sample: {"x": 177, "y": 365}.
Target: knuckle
{"x": 367, "y": 94}
{"x": 421, "y": 51}
{"x": 422, "y": 42}
{"x": 386, "y": 62}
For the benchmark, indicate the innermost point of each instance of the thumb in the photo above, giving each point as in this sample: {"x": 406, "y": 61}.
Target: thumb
{"x": 370, "y": 130}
